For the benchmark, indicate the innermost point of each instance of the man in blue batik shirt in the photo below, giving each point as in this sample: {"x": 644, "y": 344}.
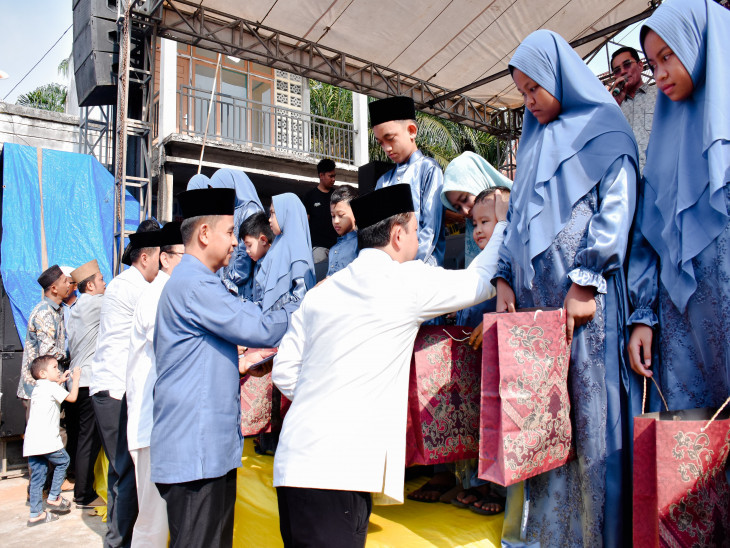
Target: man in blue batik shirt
{"x": 394, "y": 125}
{"x": 196, "y": 441}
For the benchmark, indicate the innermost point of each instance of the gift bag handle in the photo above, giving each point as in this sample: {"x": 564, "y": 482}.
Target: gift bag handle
{"x": 643, "y": 397}
{"x": 715, "y": 415}
{"x": 458, "y": 340}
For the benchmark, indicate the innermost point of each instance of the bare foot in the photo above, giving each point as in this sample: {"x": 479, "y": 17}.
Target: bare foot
{"x": 432, "y": 490}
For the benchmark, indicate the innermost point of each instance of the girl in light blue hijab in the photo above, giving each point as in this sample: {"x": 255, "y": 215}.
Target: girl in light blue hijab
{"x": 569, "y": 217}
{"x": 238, "y": 275}
{"x": 464, "y": 178}
{"x": 287, "y": 269}
{"x": 679, "y": 267}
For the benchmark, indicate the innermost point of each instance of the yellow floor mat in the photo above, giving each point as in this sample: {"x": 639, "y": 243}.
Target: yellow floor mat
{"x": 412, "y": 525}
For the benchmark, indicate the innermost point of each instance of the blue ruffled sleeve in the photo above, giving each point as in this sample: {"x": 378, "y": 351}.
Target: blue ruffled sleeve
{"x": 643, "y": 276}
{"x": 609, "y": 229}
{"x": 504, "y": 261}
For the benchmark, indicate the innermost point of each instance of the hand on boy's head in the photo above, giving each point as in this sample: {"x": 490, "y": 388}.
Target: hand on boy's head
{"x": 501, "y": 204}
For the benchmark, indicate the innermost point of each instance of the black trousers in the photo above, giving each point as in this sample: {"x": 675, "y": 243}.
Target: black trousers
{"x": 200, "y": 512}
{"x": 111, "y": 417}
{"x": 71, "y": 423}
{"x": 87, "y": 448}
{"x": 323, "y": 517}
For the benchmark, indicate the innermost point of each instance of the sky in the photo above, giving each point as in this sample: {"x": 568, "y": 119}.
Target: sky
{"x": 28, "y": 28}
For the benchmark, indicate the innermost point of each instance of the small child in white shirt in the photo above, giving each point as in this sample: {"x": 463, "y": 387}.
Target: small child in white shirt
{"x": 43, "y": 443}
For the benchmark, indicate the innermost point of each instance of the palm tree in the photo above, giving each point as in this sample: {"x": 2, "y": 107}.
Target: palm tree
{"x": 48, "y": 97}
{"x": 441, "y": 139}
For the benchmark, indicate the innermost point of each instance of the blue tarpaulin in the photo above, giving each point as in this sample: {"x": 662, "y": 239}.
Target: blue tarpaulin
{"x": 78, "y": 213}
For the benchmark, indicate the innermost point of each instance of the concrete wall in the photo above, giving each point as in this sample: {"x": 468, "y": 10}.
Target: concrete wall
{"x": 38, "y": 128}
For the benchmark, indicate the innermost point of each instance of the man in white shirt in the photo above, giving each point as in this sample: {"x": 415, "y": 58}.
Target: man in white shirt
{"x": 150, "y": 529}
{"x": 83, "y": 330}
{"x": 344, "y": 363}
{"x": 109, "y": 377}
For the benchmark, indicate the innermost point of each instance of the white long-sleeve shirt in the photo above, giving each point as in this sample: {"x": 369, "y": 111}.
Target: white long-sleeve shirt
{"x": 109, "y": 368}
{"x": 141, "y": 372}
{"x": 344, "y": 363}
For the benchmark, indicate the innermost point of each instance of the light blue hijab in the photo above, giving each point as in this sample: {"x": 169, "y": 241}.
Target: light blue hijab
{"x": 290, "y": 256}
{"x": 247, "y": 200}
{"x": 237, "y": 274}
{"x": 688, "y": 157}
{"x": 198, "y": 181}
{"x": 471, "y": 173}
{"x": 560, "y": 162}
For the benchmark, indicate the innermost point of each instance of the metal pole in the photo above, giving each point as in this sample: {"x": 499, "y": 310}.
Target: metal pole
{"x": 121, "y": 137}
{"x": 210, "y": 108}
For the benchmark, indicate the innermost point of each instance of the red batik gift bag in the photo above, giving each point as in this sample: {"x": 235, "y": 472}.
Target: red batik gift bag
{"x": 258, "y": 397}
{"x": 443, "y": 397}
{"x": 525, "y": 408}
{"x": 681, "y": 493}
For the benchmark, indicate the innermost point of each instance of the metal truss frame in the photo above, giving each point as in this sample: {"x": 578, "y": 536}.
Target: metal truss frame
{"x": 96, "y": 135}
{"x": 187, "y": 22}
{"x": 133, "y": 137}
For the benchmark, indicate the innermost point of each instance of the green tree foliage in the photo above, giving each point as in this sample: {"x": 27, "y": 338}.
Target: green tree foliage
{"x": 441, "y": 139}
{"x": 47, "y": 97}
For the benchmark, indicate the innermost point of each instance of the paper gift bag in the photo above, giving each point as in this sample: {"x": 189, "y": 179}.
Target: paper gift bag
{"x": 257, "y": 394}
{"x": 443, "y": 397}
{"x": 525, "y": 409}
{"x": 681, "y": 493}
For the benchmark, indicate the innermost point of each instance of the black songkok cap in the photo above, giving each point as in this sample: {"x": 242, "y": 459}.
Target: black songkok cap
{"x": 50, "y": 275}
{"x": 381, "y": 204}
{"x": 392, "y": 108}
{"x": 171, "y": 234}
{"x": 140, "y": 240}
{"x": 207, "y": 201}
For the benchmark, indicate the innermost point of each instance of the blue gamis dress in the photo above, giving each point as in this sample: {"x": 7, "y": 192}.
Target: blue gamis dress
{"x": 569, "y": 219}
{"x": 679, "y": 265}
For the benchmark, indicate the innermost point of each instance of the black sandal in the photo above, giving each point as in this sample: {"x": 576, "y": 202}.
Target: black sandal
{"x": 488, "y": 499}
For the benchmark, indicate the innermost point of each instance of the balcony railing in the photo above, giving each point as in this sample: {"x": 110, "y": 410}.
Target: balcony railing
{"x": 243, "y": 121}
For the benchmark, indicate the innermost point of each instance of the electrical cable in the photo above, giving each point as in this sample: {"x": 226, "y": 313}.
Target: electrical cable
{"x": 39, "y": 60}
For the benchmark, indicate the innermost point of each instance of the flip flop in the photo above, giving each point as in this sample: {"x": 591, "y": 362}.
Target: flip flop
{"x": 49, "y": 518}
{"x": 489, "y": 499}
{"x": 471, "y": 492}
{"x": 430, "y": 487}
{"x": 63, "y": 508}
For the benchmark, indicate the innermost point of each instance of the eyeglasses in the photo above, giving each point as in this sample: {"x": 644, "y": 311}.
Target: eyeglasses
{"x": 626, "y": 65}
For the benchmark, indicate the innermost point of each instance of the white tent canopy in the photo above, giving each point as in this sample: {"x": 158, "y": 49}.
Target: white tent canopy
{"x": 450, "y": 44}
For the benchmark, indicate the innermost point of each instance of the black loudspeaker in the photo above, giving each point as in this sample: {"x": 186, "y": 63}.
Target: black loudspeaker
{"x": 368, "y": 175}
{"x": 96, "y": 51}
{"x": 9, "y": 339}
{"x": 12, "y": 412}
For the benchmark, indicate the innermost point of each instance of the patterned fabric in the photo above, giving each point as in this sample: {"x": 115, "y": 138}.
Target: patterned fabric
{"x": 592, "y": 483}
{"x": 525, "y": 411}
{"x": 681, "y": 492}
{"x": 256, "y": 398}
{"x": 46, "y": 336}
{"x": 694, "y": 369}
{"x": 639, "y": 111}
{"x": 443, "y": 397}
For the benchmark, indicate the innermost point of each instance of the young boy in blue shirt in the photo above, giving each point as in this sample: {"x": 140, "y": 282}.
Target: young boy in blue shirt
{"x": 345, "y": 250}
{"x": 393, "y": 121}
{"x": 257, "y": 236}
